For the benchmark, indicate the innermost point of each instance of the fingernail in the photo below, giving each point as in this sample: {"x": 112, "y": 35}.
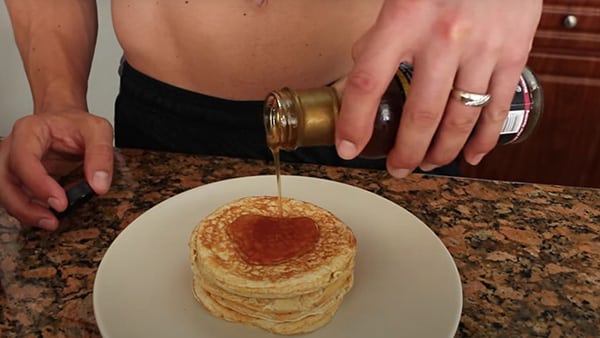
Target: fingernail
{"x": 346, "y": 149}
{"x": 54, "y": 203}
{"x": 476, "y": 159}
{"x": 427, "y": 166}
{"x": 399, "y": 173}
{"x": 46, "y": 223}
{"x": 100, "y": 181}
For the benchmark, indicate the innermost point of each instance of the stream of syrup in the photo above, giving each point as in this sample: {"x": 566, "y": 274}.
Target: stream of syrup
{"x": 276, "y": 159}
{"x": 267, "y": 240}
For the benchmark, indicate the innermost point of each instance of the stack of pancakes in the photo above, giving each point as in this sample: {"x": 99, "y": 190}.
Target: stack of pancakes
{"x": 297, "y": 295}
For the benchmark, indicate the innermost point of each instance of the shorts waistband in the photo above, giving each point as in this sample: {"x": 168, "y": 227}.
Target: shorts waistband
{"x": 186, "y": 103}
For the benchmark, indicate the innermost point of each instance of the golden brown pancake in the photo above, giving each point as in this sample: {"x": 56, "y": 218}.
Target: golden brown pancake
{"x": 277, "y": 308}
{"x": 273, "y": 311}
{"x": 297, "y": 293}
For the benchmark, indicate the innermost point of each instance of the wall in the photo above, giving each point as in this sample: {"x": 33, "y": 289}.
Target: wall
{"x": 15, "y": 96}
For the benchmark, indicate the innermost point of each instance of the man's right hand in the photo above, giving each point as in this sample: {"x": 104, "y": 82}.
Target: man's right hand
{"x": 39, "y": 149}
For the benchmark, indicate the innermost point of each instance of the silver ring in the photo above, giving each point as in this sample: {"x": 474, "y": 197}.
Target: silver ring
{"x": 471, "y": 99}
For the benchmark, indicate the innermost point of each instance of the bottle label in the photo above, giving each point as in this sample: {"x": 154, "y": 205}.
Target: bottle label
{"x": 517, "y": 118}
{"x": 404, "y": 75}
{"x": 513, "y": 122}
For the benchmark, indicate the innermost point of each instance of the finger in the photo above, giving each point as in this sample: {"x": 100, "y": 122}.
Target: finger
{"x": 29, "y": 143}
{"x": 459, "y": 120}
{"x": 365, "y": 85}
{"x": 99, "y": 155}
{"x": 430, "y": 86}
{"x": 375, "y": 66}
{"x": 26, "y": 210}
{"x": 486, "y": 133}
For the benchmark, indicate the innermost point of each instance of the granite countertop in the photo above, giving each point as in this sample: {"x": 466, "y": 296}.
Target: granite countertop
{"x": 528, "y": 255}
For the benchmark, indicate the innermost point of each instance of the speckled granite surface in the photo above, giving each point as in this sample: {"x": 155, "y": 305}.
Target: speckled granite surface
{"x": 528, "y": 255}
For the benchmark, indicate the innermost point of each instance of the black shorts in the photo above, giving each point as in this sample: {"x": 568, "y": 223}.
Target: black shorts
{"x": 150, "y": 114}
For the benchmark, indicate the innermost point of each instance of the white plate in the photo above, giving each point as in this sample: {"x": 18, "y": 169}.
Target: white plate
{"x": 406, "y": 282}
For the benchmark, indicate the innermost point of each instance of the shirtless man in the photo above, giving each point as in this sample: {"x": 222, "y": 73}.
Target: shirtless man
{"x": 239, "y": 50}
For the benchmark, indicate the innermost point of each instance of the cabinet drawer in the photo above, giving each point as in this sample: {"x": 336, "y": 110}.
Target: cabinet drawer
{"x": 569, "y": 27}
{"x": 589, "y": 3}
{"x": 583, "y": 19}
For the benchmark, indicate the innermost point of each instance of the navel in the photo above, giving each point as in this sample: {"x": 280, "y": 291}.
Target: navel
{"x": 261, "y": 3}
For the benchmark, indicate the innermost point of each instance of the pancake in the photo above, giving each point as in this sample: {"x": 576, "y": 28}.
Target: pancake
{"x": 280, "y": 308}
{"x": 297, "y": 293}
{"x": 291, "y": 316}
{"x": 305, "y": 325}
{"x": 214, "y": 255}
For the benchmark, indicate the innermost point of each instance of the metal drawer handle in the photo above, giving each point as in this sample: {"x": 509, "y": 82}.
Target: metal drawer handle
{"x": 570, "y": 21}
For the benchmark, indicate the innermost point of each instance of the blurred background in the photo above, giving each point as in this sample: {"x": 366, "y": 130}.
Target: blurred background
{"x": 15, "y": 96}
{"x": 564, "y": 149}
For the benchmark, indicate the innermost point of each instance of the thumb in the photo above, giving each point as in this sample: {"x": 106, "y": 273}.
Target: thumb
{"x": 99, "y": 155}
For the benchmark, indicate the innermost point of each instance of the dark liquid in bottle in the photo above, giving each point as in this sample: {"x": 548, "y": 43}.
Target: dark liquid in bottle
{"x": 386, "y": 123}
{"x": 266, "y": 240}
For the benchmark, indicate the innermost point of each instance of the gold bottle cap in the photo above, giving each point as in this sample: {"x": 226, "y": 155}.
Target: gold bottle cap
{"x": 300, "y": 118}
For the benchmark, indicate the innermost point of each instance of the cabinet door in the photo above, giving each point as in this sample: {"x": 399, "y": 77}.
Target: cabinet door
{"x": 565, "y": 147}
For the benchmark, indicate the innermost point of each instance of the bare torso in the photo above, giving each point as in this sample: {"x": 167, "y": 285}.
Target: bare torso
{"x": 242, "y": 49}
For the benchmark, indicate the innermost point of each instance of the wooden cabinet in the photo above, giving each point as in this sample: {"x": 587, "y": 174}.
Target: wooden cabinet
{"x": 565, "y": 147}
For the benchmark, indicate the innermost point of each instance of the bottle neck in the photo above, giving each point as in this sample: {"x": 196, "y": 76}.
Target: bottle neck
{"x": 300, "y": 118}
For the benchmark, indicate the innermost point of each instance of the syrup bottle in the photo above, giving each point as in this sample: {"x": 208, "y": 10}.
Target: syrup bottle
{"x": 303, "y": 118}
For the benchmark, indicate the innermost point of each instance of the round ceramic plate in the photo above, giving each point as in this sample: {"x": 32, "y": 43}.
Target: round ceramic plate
{"x": 406, "y": 282}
